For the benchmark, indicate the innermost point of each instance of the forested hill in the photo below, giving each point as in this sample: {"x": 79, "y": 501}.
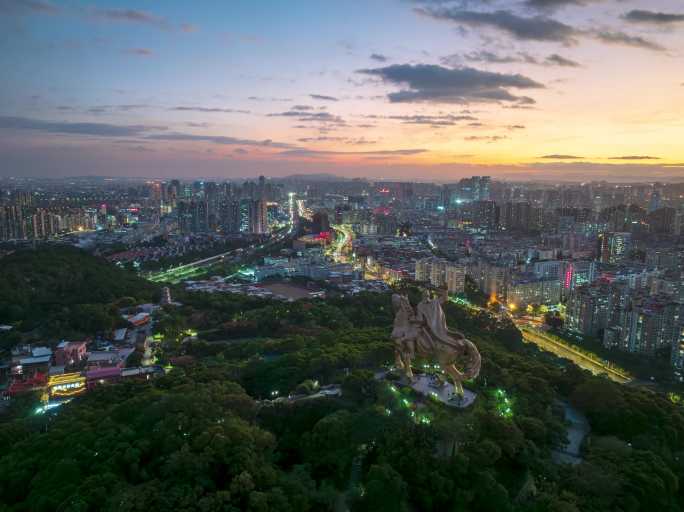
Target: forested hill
{"x": 208, "y": 437}
{"x": 64, "y": 289}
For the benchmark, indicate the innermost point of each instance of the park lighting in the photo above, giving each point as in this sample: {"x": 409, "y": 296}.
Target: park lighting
{"x": 503, "y": 404}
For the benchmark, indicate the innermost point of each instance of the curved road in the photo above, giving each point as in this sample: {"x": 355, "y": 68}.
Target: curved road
{"x": 341, "y": 243}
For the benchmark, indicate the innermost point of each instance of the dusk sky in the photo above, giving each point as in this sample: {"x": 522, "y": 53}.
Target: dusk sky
{"x": 550, "y": 89}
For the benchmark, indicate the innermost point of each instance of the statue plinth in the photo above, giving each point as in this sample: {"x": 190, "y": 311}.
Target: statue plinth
{"x": 446, "y": 393}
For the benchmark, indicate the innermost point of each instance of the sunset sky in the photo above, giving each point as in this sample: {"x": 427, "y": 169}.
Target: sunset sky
{"x": 517, "y": 89}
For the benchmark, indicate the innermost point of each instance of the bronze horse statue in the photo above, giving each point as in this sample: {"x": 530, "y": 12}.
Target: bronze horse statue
{"x": 423, "y": 332}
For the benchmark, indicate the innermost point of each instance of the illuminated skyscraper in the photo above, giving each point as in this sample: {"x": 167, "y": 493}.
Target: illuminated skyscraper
{"x": 613, "y": 247}
{"x": 258, "y": 220}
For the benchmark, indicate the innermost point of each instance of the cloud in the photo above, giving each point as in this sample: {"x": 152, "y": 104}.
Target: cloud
{"x": 634, "y": 157}
{"x": 144, "y": 132}
{"x": 652, "y": 17}
{"x": 490, "y": 58}
{"x": 259, "y": 98}
{"x": 557, "y": 60}
{"x": 437, "y": 84}
{"x": 94, "y": 129}
{"x": 378, "y": 57}
{"x": 561, "y": 157}
{"x": 515, "y": 127}
{"x": 240, "y": 151}
{"x": 188, "y": 27}
{"x": 439, "y": 120}
{"x": 28, "y": 6}
{"x": 131, "y": 16}
{"x": 140, "y": 149}
{"x": 535, "y": 28}
{"x": 142, "y": 52}
{"x": 551, "y": 5}
{"x": 346, "y": 140}
{"x": 322, "y": 138}
{"x": 434, "y": 121}
{"x": 209, "y": 110}
{"x": 101, "y": 109}
{"x": 217, "y": 139}
{"x": 485, "y": 138}
{"x": 623, "y": 39}
{"x": 386, "y": 153}
{"x": 308, "y": 116}
{"x": 519, "y": 57}
{"x": 322, "y": 97}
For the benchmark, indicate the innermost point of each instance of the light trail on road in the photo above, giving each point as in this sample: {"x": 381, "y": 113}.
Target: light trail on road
{"x": 177, "y": 274}
{"x": 550, "y": 345}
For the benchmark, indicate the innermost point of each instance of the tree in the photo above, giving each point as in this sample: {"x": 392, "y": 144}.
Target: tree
{"x": 554, "y": 320}
{"x": 360, "y": 386}
{"x": 385, "y": 491}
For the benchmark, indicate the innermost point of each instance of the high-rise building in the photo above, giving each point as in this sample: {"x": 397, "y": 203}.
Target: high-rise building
{"x": 440, "y": 272}
{"x": 491, "y": 278}
{"x": 455, "y": 277}
{"x": 258, "y": 219}
{"x": 468, "y": 190}
{"x": 231, "y": 221}
{"x": 662, "y": 220}
{"x": 193, "y": 217}
{"x": 530, "y": 289}
{"x": 12, "y": 225}
{"x": 614, "y": 247}
{"x": 578, "y": 273}
{"x": 656, "y": 202}
{"x": 588, "y": 308}
{"x": 519, "y": 216}
{"x": 385, "y": 224}
{"x": 677, "y": 354}
{"x": 644, "y": 323}
{"x": 320, "y": 222}
{"x": 486, "y": 214}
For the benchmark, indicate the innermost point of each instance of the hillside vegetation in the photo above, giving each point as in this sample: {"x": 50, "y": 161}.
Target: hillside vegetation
{"x": 63, "y": 290}
{"x": 208, "y": 437}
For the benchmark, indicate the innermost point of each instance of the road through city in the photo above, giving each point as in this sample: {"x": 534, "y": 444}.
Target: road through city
{"x": 583, "y": 361}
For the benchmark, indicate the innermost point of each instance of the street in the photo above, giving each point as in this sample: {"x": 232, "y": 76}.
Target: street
{"x": 550, "y": 345}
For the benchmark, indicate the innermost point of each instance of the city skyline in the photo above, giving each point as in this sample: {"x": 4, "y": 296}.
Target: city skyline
{"x": 527, "y": 89}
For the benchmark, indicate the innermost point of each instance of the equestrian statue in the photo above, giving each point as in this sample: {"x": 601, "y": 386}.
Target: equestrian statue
{"x": 423, "y": 332}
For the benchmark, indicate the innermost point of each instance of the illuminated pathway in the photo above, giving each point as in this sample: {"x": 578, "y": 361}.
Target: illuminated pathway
{"x": 582, "y": 360}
